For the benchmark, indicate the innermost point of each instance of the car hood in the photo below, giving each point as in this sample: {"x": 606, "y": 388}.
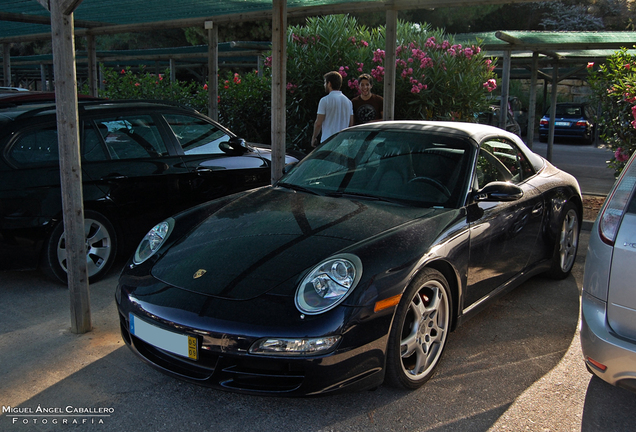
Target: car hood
{"x": 266, "y": 237}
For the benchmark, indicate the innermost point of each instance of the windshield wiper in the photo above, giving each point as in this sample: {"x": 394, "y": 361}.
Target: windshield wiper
{"x": 363, "y": 196}
{"x": 297, "y": 188}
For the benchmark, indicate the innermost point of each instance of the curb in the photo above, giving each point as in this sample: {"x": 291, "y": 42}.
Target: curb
{"x": 587, "y": 225}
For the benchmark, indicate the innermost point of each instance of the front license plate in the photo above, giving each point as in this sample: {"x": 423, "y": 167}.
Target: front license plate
{"x": 166, "y": 340}
{"x": 562, "y": 123}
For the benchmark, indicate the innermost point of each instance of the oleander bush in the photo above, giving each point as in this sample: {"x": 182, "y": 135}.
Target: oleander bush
{"x": 614, "y": 90}
{"x": 436, "y": 78}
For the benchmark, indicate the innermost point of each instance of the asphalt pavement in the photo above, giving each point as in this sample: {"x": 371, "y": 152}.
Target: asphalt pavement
{"x": 585, "y": 162}
{"x": 517, "y": 366}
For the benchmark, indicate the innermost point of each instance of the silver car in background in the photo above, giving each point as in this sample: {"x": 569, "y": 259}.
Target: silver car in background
{"x": 608, "y": 301}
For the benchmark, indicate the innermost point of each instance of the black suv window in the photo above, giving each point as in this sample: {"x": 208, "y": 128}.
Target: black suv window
{"x": 195, "y": 135}
{"x": 35, "y": 147}
{"x": 131, "y": 137}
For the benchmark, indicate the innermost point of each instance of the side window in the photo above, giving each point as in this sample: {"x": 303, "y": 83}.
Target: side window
{"x": 195, "y": 135}
{"x": 502, "y": 161}
{"x": 93, "y": 145}
{"x": 131, "y": 137}
{"x": 35, "y": 147}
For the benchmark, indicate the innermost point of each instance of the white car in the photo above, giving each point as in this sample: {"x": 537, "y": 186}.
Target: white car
{"x": 608, "y": 301}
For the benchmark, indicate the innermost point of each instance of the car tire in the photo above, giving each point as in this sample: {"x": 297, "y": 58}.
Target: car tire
{"x": 419, "y": 331}
{"x": 566, "y": 242}
{"x": 101, "y": 242}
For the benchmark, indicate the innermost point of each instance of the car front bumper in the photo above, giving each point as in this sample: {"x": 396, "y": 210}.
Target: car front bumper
{"x": 600, "y": 343}
{"x": 356, "y": 363}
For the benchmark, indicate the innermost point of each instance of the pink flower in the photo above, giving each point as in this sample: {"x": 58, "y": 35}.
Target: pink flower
{"x": 268, "y": 61}
{"x": 291, "y": 87}
{"x": 426, "y": 63}
{"x": 378, "y": 56}
{"x": 123, "y": 71}
{"x": 205, "y": 87}
{"x": 590, "y": 65}
{"x": 621, "y": 155}
{"x": 353, "y": 84}
{"x": 634, "y": 111}
{"x": 490, "y": 85}
{"x": 378, "y": 73}
{"x": 342, "y": 71}
{"x": 628, "y": 66}
{"x": 137, "y": 84}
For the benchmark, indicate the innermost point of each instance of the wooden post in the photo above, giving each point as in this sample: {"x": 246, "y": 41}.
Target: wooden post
{"x": 70, "y": 163}
{"x": 389, "y": 64}
{"x": 279, "y": 87}
{"x": 213, "y": 70}
{"x": 532, "y": 105}
{"x": 91, "y": 53}
{"x": 43, "y": 77}
{"x": 505, "y": 90}
{"x": 553, "y": 102}
{"x": 6, "y": 63}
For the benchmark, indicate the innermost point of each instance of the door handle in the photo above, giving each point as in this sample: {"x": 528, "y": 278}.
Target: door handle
{"x": 537, "y": 209}
{"x": 114, "y": 177}
{"x": 202, "y": 170}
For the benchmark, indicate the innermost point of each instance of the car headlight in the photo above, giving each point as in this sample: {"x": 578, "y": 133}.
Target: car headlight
{"x": 328, "y": 284}
{"x": 153, "y": 241}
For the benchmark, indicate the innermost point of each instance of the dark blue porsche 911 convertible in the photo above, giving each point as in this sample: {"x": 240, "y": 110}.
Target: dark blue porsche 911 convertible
{"x": 352, "y": 270}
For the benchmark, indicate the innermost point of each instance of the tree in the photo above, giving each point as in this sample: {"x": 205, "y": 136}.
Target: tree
{"x": 614, "y": 89}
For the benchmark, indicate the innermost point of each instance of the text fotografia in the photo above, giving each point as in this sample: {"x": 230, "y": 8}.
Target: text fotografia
{"x": 57, "y": 415}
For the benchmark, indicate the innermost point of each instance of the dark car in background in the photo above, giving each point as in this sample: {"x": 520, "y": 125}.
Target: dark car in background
{"x": 355, "y": 267}
{"x": 574, "y": 121}
{"x": 491, "y": 117}
{"x": 141, "y": 162}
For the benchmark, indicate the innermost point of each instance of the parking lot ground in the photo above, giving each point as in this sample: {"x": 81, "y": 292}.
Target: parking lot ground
{"x": 517, "y": 366}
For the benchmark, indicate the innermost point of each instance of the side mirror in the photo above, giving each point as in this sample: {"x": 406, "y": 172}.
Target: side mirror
{"x": 234, "y": 146}
{"x": 498, "y": 191}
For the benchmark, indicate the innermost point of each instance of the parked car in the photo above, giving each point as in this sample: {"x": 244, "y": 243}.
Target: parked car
{"x": 10, "y": 99}
{"x": 572, "y": 120}
{"x": 354, "y": 267}
{"x": 491, "y": 117}
{"x": 608, "y": 300}
{"x": 141, "y": 162}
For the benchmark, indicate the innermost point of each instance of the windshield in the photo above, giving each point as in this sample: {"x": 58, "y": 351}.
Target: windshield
{"x": 411, "y": 167}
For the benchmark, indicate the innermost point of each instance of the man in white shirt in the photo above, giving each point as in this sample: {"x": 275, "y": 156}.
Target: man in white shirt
{"x": 335, "y": 111}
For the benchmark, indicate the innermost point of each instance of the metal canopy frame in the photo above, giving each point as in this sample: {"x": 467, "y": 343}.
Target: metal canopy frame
{"x": 553, "y": 56}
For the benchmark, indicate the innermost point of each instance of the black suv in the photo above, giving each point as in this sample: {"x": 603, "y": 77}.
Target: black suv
{"x": 141, "y": 162}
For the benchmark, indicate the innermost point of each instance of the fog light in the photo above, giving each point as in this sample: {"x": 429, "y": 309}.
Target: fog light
{"x": 294, "y": 347}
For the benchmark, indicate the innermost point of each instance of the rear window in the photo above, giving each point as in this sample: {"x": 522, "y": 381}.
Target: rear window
{"x": 35, "y": 147}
